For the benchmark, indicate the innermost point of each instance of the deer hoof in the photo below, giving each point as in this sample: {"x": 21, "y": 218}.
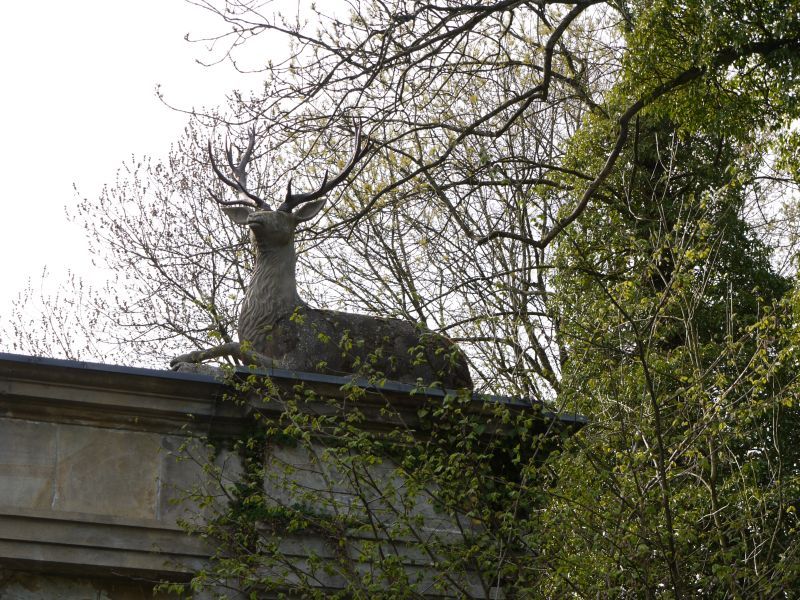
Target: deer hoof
{"x": 183, "y": 359}
{"x": 198, "y": 369}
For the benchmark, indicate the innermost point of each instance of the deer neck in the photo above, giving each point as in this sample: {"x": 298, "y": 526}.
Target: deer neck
{"x": 273, "y": 288}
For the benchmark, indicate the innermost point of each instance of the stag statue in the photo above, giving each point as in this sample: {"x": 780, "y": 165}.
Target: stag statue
{"x": 278, "y": 329}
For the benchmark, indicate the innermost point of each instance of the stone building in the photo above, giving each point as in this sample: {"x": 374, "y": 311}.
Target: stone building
{"x": 88, "y": 476}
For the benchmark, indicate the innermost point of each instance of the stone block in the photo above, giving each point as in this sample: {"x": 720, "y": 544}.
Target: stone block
{"x": 189, "y": 465}
{"x": 312, "y": 475}
{"x": 107, "y": 472}
{"x": 27, "y": 463}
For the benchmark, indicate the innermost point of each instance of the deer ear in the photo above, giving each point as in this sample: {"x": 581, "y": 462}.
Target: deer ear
{"x": 308, "y": 211}
{"x": 237, "y": 214}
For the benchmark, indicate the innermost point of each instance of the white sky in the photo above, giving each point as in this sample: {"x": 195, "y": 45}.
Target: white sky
{"x": 77, "y": 81}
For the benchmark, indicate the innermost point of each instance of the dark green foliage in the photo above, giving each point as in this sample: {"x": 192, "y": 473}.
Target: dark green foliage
{"x": 667, "y": 300}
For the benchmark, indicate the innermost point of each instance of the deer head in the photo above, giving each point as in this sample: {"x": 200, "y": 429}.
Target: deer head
{"x": 269, "y": 227}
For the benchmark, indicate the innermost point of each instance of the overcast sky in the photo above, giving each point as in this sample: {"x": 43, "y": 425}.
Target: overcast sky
{"x": 77, "y": 98}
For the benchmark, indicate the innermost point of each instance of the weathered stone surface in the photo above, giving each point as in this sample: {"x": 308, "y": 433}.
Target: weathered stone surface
{"x": 308, "y": 474}
{"x": 85, "y": 471}
{"x": 184, "y": 469}
{"x": 107, "y": 472}
{"x": 27, "y": 463}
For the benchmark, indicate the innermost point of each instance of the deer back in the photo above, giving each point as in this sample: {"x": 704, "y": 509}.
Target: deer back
{"x": 340, "y": 343}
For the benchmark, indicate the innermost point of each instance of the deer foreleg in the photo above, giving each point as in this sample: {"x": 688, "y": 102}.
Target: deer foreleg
{"x": 231, "y": 349}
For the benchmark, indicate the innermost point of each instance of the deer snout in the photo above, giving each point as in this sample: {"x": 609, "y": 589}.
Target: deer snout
{"x": 256, "y": 216}
{"x": 257, "y": 219}
{"x": 270, "y": 227}
{"x": 271, "y": 219}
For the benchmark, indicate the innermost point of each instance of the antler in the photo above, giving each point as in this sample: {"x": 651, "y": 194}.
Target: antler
{"x": 239, "y": 181}
{"x": 293, "y": 200}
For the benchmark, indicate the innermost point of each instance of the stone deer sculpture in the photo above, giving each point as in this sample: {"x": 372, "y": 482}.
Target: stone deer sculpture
{"x": 278, "y": 329}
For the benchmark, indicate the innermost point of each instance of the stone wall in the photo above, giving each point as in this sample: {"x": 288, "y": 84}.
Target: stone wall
{"x": 89, "y": 479}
